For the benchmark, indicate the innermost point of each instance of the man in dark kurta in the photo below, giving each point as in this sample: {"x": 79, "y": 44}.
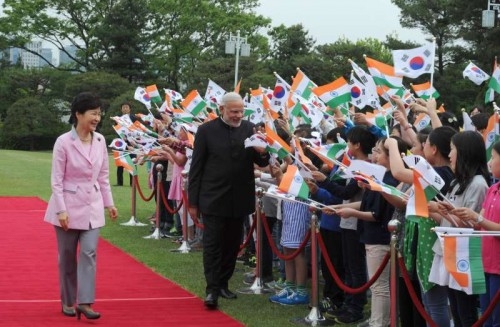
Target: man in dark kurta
{"x": 222, "y": 189}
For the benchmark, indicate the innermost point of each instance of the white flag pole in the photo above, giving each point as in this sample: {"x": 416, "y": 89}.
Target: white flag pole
{"x": 433, "y": 62}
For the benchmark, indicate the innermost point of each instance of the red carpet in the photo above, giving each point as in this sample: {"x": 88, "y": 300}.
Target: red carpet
{"x": 128, "y": 293}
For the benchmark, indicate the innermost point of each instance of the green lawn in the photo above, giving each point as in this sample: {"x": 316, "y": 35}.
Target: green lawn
{"x": 28, "y": 174}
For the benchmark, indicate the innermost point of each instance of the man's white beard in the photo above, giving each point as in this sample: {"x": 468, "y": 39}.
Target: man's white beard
{"x": 231, "y": 123}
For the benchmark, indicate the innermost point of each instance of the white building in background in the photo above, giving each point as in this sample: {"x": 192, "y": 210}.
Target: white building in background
{"x": 29, "y": 59}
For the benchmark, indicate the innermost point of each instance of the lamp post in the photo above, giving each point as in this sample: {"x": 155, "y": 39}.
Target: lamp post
{"x": 237, "y": 45}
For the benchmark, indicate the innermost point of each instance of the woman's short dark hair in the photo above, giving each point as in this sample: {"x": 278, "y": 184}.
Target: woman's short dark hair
{"x": 360, "y": 134}
{"x": 441, "y": 137}
{"x": 480, "y": 121}
{"x": 83, "y": 102}
{"x": 424, "y": 134}
{"x": 471, "y": 159}
{"x": 332, "y": 134}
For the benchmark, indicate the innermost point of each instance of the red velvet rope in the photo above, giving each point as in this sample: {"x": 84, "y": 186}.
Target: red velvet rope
{"x": 488, "y": 311}
{"x": 275, "y": 249}
{"x": 250, "y": 232}
{"x": 413, "y": 295}
{"x": 165, "y": 202}
{"x": 140, "y": 191}
{"x": 337, "y": 279}
{"x": 195, "y": 219}
{"x": 197, "y": 223}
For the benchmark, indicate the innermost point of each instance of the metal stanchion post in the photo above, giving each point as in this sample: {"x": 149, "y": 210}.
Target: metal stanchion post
{"x": 184, "y": 248}
{"x": 394, "y": 226}
{"x": 314, "y": 318}
{"x": 133, "y": 220}
{"x": 156, "y": 233}
{"x": 258, "y": 287}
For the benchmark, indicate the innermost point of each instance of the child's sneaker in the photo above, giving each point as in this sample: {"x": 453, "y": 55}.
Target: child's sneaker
{"x": 277, "y": 285}
{"x": 284, "y": 293}
{"x": 295, "y": 299}
{"x": 325, "y": 304}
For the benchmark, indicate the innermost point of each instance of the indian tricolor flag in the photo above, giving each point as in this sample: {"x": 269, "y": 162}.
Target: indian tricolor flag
{"x": 329, "y": 153}
{"x": 421, "y": 194}
{"x": 377, "y": 119}
{"x": 299, "y": 153}
{"x": 335, "y": 93}
{"x": 153, "y": 93}
{"x": 422, "y": 121}
{"x": 302, "y": 85}
{"x": 193, "y": 103}
{"x": 491, "y": 134}
{"x": 463, "y": 260}
{"x": 276, "y": 144}
{"x": 383, "y": 74}
{"x": 425, "y": 91}
{"x": 293, "y": 183}
{"x": 378, "y": 186}
{"x": 121, "y": 130}
{"x": 493, "y": 85}
{"x": 180, "y": 115}
{"x": 123, "y": 159}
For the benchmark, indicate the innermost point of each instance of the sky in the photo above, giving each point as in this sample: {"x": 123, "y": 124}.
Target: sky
{"x": 328, "y": 20}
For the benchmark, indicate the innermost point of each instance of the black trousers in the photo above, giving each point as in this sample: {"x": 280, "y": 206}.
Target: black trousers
{"x": 166, "y": 218}
{"x": 267, "y": 252}
{"x": 333, "y": 244}
{"x": 408, "y": 313}
{"x": 119, "y": 176}
{"x": 221, "y": 244}
{"x": 355, "y": 269}
{"x": 463, "y": 307}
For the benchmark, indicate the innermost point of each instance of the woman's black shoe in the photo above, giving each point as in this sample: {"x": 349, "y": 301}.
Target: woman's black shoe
{"x": 88, "y": 313}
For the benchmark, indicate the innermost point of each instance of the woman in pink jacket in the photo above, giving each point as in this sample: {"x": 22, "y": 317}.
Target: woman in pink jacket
{"x": 80, "y": 192}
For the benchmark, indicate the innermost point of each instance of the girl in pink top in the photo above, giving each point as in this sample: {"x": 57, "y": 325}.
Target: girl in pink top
{"x": 179, "y": 159}
{"x": 489, "y": 219}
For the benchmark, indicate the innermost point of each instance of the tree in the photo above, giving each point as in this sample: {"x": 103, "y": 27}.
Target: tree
{"x": 30, "y": 125}
{"x": 17, "y": 83}
{"x": 183, "y": 35}
{"x": 334, "y": 57}
{"x": 166, "y": 37}
{"x": 124, "y": 38}
{"x": 287, "y": 45}
{"x": 106, "y": 85}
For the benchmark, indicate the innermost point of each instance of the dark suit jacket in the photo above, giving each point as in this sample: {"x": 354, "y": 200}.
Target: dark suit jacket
{"x": 221, "y": 177}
